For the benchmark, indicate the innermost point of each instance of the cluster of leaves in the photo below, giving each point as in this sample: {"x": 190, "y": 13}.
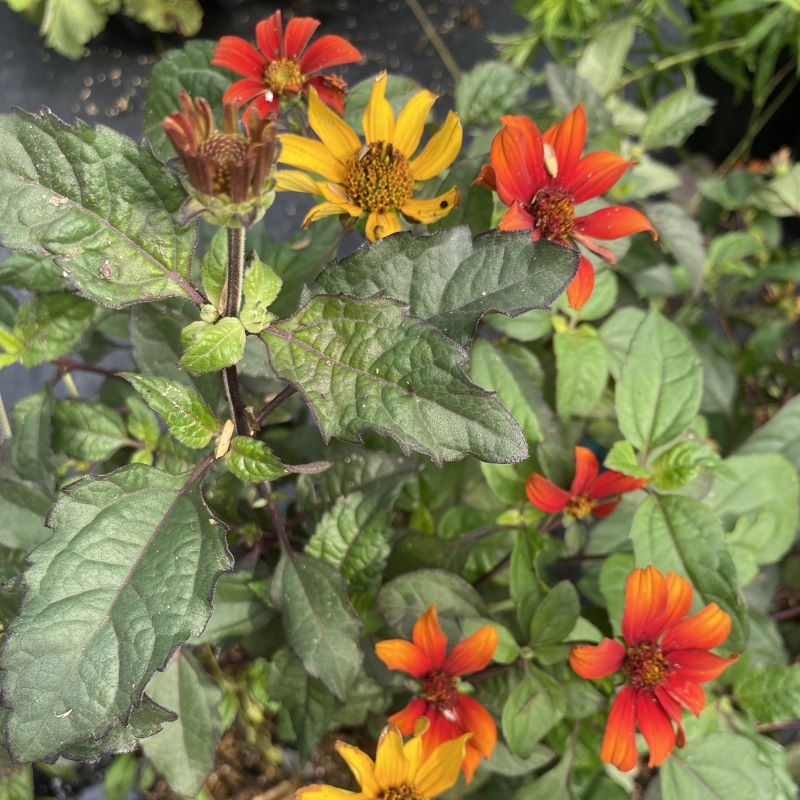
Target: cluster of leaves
{"x": 437, "y": 356}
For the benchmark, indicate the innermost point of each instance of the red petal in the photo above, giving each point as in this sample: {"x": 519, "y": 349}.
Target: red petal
{"x": 478, "y": 721}
{"x": 595, "y": 174}
{"x": 269, "y": 35}
{"x": 567, "y": 139}
{"x": 614, "y": 222}
{"x": 242, "y": 91}
{"x": 429, "y": 637}
{"x": 619, "y": 741}
{"x": 703, "y": 631}
{"x": 586, "y": 468}
{"x": 240, "y": 56}
{"x": 679, "y": 601}
{"x": 330, "y": 91}
{"x": 546, "y": 495}
{"x": 597, "y": 661}
{"x": 516, "y": 219}
{"x": 645, "y": 601}
{"x": 473, "y": 653}
{"x": 262, "y": 106}
{"x": 670, "y": 705}
{"x": 440, "y": 730}
{"x": 581, "y": 286}
{"x": 486, "y": 178}
{"x": 517, "y": 159}
{"x": 328, "y": 51}
{"x": 610, "y": 482}
{"x": 697, "y": 665}
{"x": 406, "y": 719}
{"x": 690, "y": 695}
{"x": 604, "y": 509}
{"x": 655, "y": 727}
{"x": 298, "y": 31}
{"x": 404, "y": 656}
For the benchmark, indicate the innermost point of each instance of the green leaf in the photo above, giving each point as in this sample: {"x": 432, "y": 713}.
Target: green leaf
{"x": 101, "y": 205}
{"x": 31, "y": 271}
{"x": 554, "y": 783}
{"x": 320, "y": 624}
{"x": 364, "y": 364}
{"x": 674, "y": 118}
{"x": 450, "y": 280}
{"x": 184, "y": 412}
{"x": 604, "y": 57}
{"x": 213, "y": 347}
{"x": 120, "y": 778}
{"x": 87, "y": 431}
{"x": 680, "y": 235}
{"x": 660, "y": 386}
{"x": 582, "y": 371}
{"x": 527, "y": 327}
{"x": 67, "y": 25}
{"x": 183, "y": 751}
{"x": 251, "y": 460}
{"x": 567, "y": 89}
{"x": 261, "y": 287}
{"x": 601, "y": 301}
{"x": 622, "y": 458}
{"x": 617, "y": 333}
{"x": 555, "y": 616}
{"x": 781, "y": 196}
{"x": 533, "y": 708}
{"x": 770, "y": 692}
{"x": 31, "y": 448}
{"x": 17, "y": 783}
{"x": 478, "y": 99}
{"x": 187, "y": 68}
{"x": 611, "y": 581}
{"x": 682, "y": 463}
{"x": 94, "y": 623}
{"x": 23, "y": 508}
{"x": 678, "y": 534}
{"x": 214, "y": 269}
{"x": 167, "y": 16}
{"x": 780, "y": 435}
{"x": 52, "y": 325}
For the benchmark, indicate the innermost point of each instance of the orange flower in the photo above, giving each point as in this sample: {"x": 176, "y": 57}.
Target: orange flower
{"x": 591, "y": 492}
{"x": 664, "y": 664}
{"x": 542, "y": 177}
{"x": 449, "y": 712}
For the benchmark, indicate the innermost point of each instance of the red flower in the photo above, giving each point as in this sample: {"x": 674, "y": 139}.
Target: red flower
{"x": 589, "y": 493}
{"x": 449, "y": 712}
{"x": 662, "y": 676}
{"x": 542, "y": 177}
{"x": 282, "y": 68}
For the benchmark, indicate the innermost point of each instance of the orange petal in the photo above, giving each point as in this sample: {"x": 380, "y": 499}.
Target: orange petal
{"x": 473, "y": 653}
{"x": 619, "y": 741}
{"x": 479, "y": 722}
{"x": 406, "y": 719}
{"x": 697, "y": 665}
{"x": 597, "y": 661}
{"x": 703, "y": 631}
{"x": 611, "y": 482}
{"x": 655, "y": 727}
{"x": 586, "y": 469}
{"x": 690, "y": 695}
{"x": 614, "y": 222}
{"x": 546, "y": 495}
{"x": 595, "y": 174}
{"x": 486, "y": 178}
{"x": 517, "y": 157}
{"x": 645, "y": 601}
{"x": 441, "y": 729}
{"x": 429, "y": 637}
{"x": 567, "y": 139}
{"x": 679, "y": 601}
{"x": 516, "y": 219}
{"x": 581, "y": 286}
{"x": 404, "y": 656}
{"x": 472, "y": 757}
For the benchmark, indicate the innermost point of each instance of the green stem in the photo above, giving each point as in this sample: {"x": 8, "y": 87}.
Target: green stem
{"x": 233, "y": 304}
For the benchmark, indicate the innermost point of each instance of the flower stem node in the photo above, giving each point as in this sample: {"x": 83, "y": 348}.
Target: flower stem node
{"x": 230, "y": 173}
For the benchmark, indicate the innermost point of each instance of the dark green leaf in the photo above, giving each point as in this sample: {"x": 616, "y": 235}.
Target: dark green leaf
{"x": 555, "y": 616}
{"x": 23, "y": 508}
{"x": 87, "y": 431}
{"x": 582, "y": 371}
{"x": 534, "y": 706}
{"x": 239, "y": 609}
{"x": 31, "y": 449}
{"x": 31, "y": 271}
{"x": 251, "y": 460}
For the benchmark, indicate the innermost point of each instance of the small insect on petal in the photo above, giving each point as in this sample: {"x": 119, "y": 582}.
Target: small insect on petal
{"x": 550, "y": 160}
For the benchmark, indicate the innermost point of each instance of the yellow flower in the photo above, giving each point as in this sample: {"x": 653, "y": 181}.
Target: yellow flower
{"x": 399, "y": 771}
{"x": 379, "y": 176}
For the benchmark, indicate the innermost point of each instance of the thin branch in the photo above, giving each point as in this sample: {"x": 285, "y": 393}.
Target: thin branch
{"x": 278, "y": 525}
{"x": 787, "y": 613}
{"x": 433, "y": 36}
{"x": 279, "y": 398}
{"x": 70, "y": 365}
{"x": 233, "y": 302}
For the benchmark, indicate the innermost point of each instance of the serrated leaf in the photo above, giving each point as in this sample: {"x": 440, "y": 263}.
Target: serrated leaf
{"x": 261, "y": 287}
{"x": 87, "y": 431}
{"x": 674, "y": 118}
{"x": 535, "y": 705}
{"x": 320, "y": 624}
{"x": 23, "y": 508}
{"x": 364, "y": 364}
{"x": 213, "y": 347}
{"x": 183, "y": 751}
{"x": 478, "y": 100}
{"x": 681, "y": 464}
{"x": 582, "y": 372}
{"x": 31, "y": 271}
{"x": 31, "y": 447}
{"x": 184, "y": 412}
{"x": 107, "y": 603}
{"x": 660, "y": 386}
{"x": 622, "y": 458}
{"x": 101, "y": 205}
{"x": 167, "y": 16}
{"x": 450, "y": 280}
{"x": 67, "y": 25}
{"x": 555, "y": 616}
{"x": 770, "y": 692}
{"x": 678, "y": 534}
{"x": 251, "y": 460}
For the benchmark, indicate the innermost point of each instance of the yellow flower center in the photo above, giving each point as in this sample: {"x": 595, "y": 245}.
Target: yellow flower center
{"x": 440, "y": 689}
{"x": 645, "y": 666}
{"x": 404, "y": 792}
{"x": 282, "y": 75}
{"x": 580, "y": 506}
{"x": 553, "y": 213}
{"x": 378, "y": 178}
{"x": 223, "y": 150}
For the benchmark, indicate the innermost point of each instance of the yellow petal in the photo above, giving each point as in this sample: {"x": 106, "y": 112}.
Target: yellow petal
{"x": 322, "y": 210}
{"x": 382, "y": 223}
{"x": 335, "y": 194}
{"x": 392, "y": 768}
{"x": 378, "y": 115}
{"x": 441, "y": 150}
{"x": 413, "y": 750}
{"x": 411, "y": 122}
{"x": 440, "y": 770}
{"x": 292, "y": 180}
{"x": 324, "y": 792}
{"x": 298, "y": 151}
{"x": 429, "y": 210}
{"x": 362, "y": 767}
{"x": 335, "y": 133}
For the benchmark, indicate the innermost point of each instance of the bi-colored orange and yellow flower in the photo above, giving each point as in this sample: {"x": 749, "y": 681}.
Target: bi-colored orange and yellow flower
{"x": 377, "y": 177}
{"x": 282, "y": 66}
{"x": 664, "y": 663}
{"x": 450, "y": 713}
{"x": 591, "y": 492}
{"x": 542, "y": 177}
{"x": 401, "y": 771}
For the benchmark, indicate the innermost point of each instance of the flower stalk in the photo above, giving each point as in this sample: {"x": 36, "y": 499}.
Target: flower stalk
{"x": 233, "y": 303}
